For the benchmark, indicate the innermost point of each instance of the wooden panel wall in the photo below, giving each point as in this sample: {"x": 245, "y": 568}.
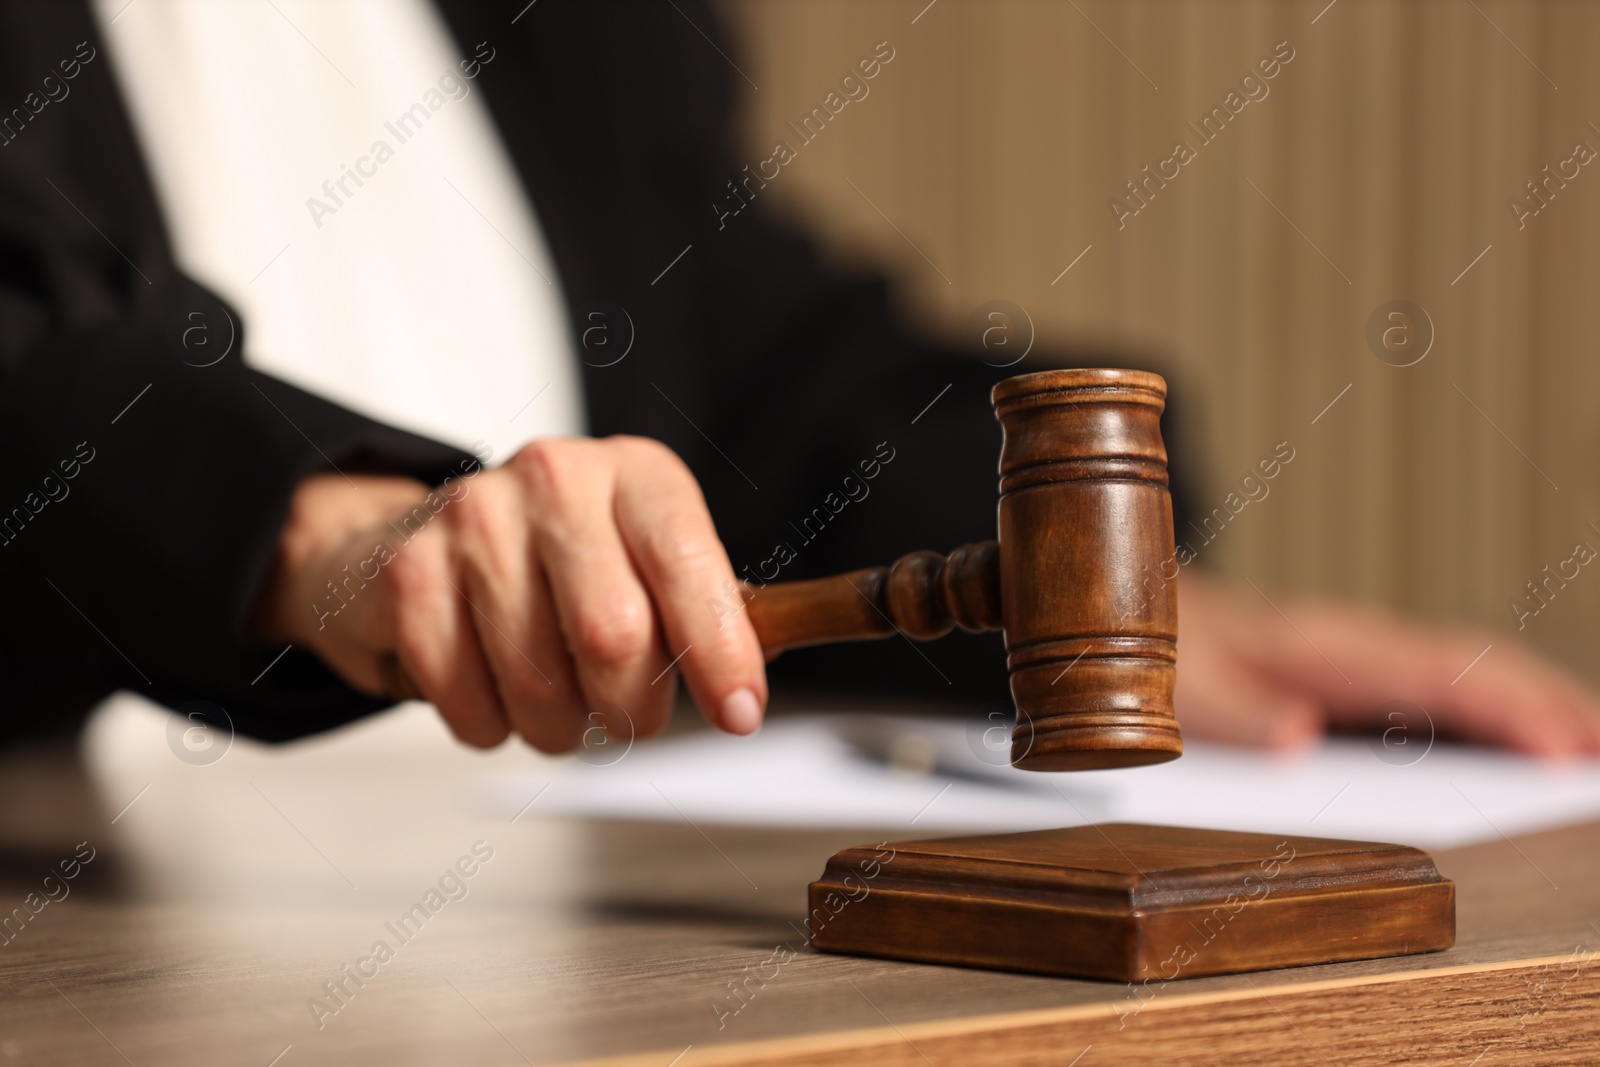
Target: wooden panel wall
{"x": 1378, "y": 166}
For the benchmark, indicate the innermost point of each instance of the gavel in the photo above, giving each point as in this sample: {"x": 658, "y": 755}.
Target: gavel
{"x": 1075, "y": 581}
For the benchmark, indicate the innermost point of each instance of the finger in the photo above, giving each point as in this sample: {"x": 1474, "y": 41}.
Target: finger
{"x": 1469, "y": 688}
{"x": 518, "y": 632}
{"x": 604, "y": 611}
{"x": 1352, "y": 659}
{"x": 1587, "y": 705}
{"x": 1226, "y": 699}
{"x": 1580, "y": 701}
{"x": 437, "y": 644}
{"x": 1509, "y": 700}
{"x": 669, "y": 533}
{"x": 1523, "y": 703}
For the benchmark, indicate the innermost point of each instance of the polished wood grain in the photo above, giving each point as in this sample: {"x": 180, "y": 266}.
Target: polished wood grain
{"x": 1081, "y": 579}
{"x": 923, "y": 595}
{"x": 1538, "y": 1011}
{"x": 1091, "y": 621}
{"x": 1131, "y": 902}
{"x": 206, "y": 922}
{"x": 601, "y": 942}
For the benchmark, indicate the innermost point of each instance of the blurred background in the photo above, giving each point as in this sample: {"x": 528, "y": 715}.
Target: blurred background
{"x": 1380, "y": 165}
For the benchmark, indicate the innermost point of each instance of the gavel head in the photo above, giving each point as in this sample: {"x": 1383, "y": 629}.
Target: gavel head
{"x": 1087, "y": 570}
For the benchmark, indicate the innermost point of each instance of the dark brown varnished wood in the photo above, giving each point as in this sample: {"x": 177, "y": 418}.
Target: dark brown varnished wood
{"x": 1132, "y": 902}
{"x": 922, "y": 594}
{"x": 1081, "y": 582}
{"x": 1075, "y": 580}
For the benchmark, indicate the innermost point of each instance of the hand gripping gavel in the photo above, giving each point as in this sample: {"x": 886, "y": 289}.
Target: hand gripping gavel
{"x": 1075, "y": 580}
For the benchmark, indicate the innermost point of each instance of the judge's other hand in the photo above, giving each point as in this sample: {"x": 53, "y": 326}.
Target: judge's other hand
{"x": 563, "y": 589}
{"x": 1250, "y": 675}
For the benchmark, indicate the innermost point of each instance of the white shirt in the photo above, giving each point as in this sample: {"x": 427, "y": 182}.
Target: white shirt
{"x": 419, "y": 290}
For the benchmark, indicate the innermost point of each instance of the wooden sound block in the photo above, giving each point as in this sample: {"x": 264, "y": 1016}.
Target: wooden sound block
{"x": 1131, "y": 902}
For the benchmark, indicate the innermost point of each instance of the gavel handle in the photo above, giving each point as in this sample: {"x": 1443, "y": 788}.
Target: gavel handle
{"x": 922, "y": 595}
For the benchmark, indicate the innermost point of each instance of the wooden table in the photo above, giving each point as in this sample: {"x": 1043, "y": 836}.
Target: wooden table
{"x": 610, "y": 942}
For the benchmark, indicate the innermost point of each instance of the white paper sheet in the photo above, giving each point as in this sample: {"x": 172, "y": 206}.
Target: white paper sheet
{"x": 802, "y": 771}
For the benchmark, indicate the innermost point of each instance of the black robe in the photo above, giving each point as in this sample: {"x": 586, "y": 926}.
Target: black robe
{"x": 773, "y": 374}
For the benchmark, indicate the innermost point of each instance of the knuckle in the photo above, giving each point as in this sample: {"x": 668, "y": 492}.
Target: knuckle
{"x": 635, "y": 444}
{"x": 418, "y": 519}
{"x": 543, "y": 464}
{"x": 560, "y": 483}
{"x": 647, "y": 451}
{"x": 613, "y": 635}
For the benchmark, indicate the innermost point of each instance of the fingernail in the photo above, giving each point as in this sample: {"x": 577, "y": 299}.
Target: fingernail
{"x": 741, "y": 712}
